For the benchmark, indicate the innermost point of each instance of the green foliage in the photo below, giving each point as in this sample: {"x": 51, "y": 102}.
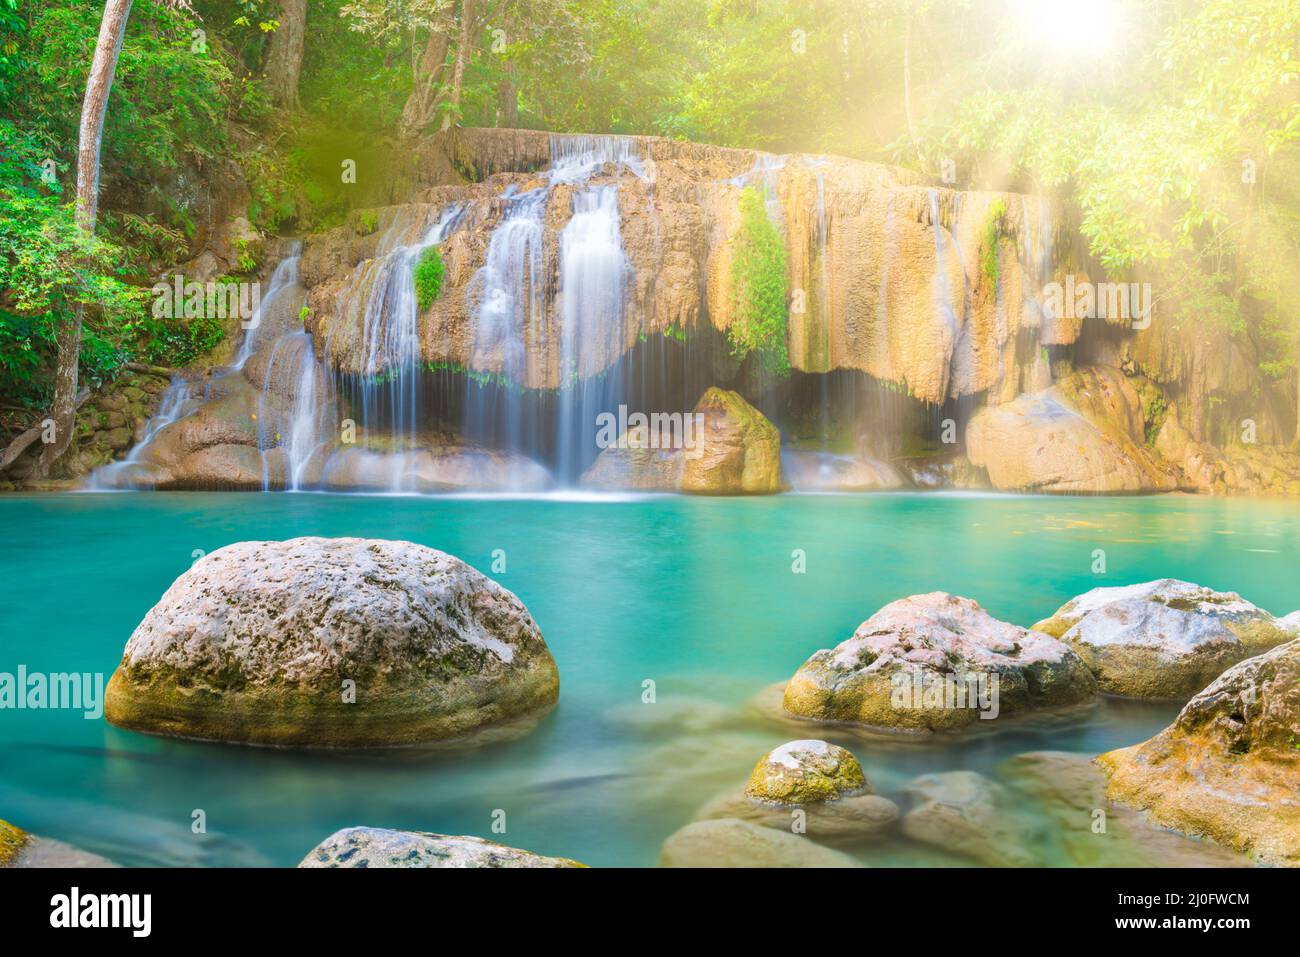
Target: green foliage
{"x": 760, "y": 286}
{"x": 989, "y": 241}
{"x": 427, "y": 273}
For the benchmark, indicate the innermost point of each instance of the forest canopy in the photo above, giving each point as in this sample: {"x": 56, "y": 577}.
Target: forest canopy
{"x": 1169, "y": 127}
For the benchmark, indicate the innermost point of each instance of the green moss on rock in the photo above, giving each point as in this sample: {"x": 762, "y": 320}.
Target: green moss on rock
{"x": 12, "y": 841}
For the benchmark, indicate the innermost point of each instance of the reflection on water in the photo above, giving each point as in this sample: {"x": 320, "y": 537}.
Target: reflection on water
{"x": 697, "y": 595}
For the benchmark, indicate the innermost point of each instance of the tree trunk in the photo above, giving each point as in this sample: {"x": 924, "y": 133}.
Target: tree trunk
{"x": 419, "y": 109}
{"x": 468, "y": 14}
{"x": 907, "y": 80}
{"x": 93, "y": 107}
{"x": 508, "y": 99}
{"x": 284, "y": 58}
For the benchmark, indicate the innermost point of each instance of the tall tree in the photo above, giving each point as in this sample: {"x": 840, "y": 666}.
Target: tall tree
{"x": 420, "y": 107}
{"x": 464, "y": 40}
{"x": 112, "y": 28}
{"x": 284, "y": 58}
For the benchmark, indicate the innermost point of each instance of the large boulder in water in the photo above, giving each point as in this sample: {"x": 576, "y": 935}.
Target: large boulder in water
{"x": 1162, "y": 639}
{"x": 1228, "y": 767}
{"x": 731, "y": 449}
{"x": 371, "y": 847}
{"x": 1084, "y": 434}
{"x": 936, "y": 662}
{"x": 322, "y": 642}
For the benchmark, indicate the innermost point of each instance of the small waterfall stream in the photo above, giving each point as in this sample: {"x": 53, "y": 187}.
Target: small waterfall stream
{"x": 284, "y": 277}
{"x": 593, "y": 292}
{"x": 171, "y": 406}
{"x": 391, "y": 362}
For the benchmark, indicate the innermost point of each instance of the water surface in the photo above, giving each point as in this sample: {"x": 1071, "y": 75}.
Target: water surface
{"x": 696, "y": 595}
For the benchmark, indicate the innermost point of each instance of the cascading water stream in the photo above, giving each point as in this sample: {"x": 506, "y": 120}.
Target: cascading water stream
{"x": 509, "y": 316}
{"x": 593, "y": 291}
{"x": 171, "y": 406}
{"x": 299, "y": 431}
{"x": 285, "y": 276}
{"x": 391, "y": 355}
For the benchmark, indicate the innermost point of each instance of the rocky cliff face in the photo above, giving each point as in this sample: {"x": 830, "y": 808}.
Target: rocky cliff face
{"x": 926, "y": 287}
{"x": 581, "y": 274}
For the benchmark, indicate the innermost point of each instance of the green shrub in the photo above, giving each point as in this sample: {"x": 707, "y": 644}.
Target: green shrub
{"x": 428, "y": 277}
{"x": 759, "y": 286}
{"x": 989, "y": 241}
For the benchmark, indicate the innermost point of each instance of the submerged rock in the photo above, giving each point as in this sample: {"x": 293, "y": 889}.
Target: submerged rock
{"x": 968, "y": 814}
{"x": 728, "y": 842}
{"x": 446, "y": 468}
{"x": 322, "y": 642}
{"x": 1087, "y": 830}
{"x": 825, "y": 472}
{"x": 848, "y": 820}
{"x": 808, "y": 787}
{"x": 936, "y": 662}
{"x": 1084, "y": 434}
{"x": 19, "y": 849}
{"x": 1162, "y": 639}
{"x": 1228, "y": 767}
{"x": 737, "y": 452}
{"x": 806, "y": 772}
{"x": 380, "y": 847}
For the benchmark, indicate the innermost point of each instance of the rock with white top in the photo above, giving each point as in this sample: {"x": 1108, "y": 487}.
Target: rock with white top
{"x": 320, "y": 642}
{"x": 371, "y": 847}
{"x": 806, "y": 772}
{"x": 1163, "y": 639}
{"x": 815, "y": 785}
{"x": 936, "y": 662}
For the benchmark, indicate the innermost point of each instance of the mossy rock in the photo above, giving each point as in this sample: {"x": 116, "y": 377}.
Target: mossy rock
{"x": 1165, "y": 639}
{"x": 806, "y": 772}
{"x": 12, "y": 841}
{"x": 319, "y": 642}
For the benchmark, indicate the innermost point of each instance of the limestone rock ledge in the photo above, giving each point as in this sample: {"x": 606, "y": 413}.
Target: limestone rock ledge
{"x": 1084, "y": 434}
{"x": 1228, "y": 767}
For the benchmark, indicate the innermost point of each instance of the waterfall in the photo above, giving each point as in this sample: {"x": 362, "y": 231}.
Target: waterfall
{"x": 284, "y": 277}
{"x": 510, "y": 312}
{"x": 171, "y": 406}
{"x": 575, "y": 159}
{"x": 943, "y": 290}
{"x": 593, "y": 290}
{"x": 297, "y": 429}
{"x": 390, "y": 336}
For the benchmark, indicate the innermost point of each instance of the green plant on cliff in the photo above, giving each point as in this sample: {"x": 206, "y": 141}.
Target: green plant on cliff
{"x": 759, "y": 286}
{"x": 989, "y": 241}
{"x": 428, "y": 272}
